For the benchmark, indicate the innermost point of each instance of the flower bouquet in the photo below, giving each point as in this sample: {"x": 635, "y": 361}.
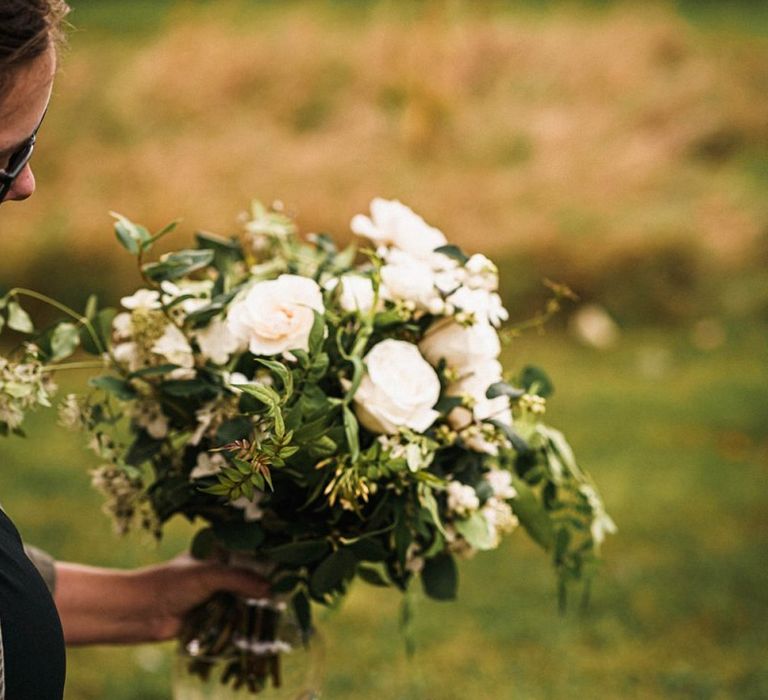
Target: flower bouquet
{"x": 323, "y": 413}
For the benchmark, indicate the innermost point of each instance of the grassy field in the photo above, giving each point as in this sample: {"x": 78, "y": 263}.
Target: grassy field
{"x": 678, "y": 440}
{"x": 536, "y": 130}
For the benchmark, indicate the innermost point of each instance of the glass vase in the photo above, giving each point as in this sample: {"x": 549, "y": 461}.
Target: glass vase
{"x": 256, "y": 649}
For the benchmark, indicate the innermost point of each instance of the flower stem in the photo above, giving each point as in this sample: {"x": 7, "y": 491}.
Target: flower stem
{"x": 82, "y": 320}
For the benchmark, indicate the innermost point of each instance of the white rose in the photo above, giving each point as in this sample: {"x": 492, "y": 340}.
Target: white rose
{"x": 174, "y": 347}
{"x": 356, "y": 292}
{"x": 393, "y": 223}
{"x": 216, "y": 342}
{"x": 474, "y": 385}
{"x": 459, "y": 346}
{"x": 276, "y": 316}
{"x": 485, "y": 306}
{"x": 410, "y": 280}
{"x": 398, "y": 389}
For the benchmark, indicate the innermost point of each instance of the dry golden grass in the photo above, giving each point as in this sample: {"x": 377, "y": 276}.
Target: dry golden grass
{"x": 589, "y": 137}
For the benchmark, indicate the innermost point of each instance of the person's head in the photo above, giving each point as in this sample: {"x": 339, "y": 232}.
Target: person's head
{"x": 30, "y": 32}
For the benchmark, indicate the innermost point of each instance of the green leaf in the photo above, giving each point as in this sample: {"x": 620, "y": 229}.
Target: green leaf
{"x": 532, "y": 515}
{"x": 283, "y": 373}
{"x": 368, "y": 549}
{"x": 372, "y": 576}
{"x": 119, "y": 387}
{"x": 64, "y": 341}
{"x": 453, "y": 251}
{"x": 238, "y": 428}
{"x": 239, "y": 536}
{"x": 317, "y": 334}
{"x": 475, "y": 530}
{"x": 153, "y": 371}
{"x": 351, "y": 432}
{"x": 18, "y": 319}
{"x": 440, "y": 577}
{"x": 189, "y": 387}
{"x": 303, "y": 610}
{"x": 144, "y": 447}
{"x": 333, "y": 571}
{"x": 146, "y": 245}
{"x": 266, "y": 394}
{"x": 298, "y": 553}
{"x": 91, "y": 307}
{"x": 536, "y": 381}
{"x": 520, "y": 445}
{"x": 131, "y": 236}
{"x": 203, "y": 544}
{"x": 179, "y": 264}
{"x": 102, "y": 327}
{"x": 504, "y": 389}
{"x": 429, "y": 502}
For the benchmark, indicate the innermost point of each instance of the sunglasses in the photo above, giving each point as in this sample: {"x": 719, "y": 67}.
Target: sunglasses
{"x": 17, "y": 162}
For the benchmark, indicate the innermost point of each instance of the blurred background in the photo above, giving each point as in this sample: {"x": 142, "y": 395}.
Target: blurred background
{"x": 620, "y": 148}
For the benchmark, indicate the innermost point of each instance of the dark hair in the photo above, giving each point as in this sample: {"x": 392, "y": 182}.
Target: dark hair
{"x": 27, "y": 29}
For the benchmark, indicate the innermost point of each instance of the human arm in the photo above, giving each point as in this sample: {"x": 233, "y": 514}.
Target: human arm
{"x": 113, "y": 606}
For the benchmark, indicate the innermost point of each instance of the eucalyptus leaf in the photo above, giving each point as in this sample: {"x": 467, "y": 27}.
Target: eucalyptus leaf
{"x": 64, "y": 341}
{"x": 453, "y": 251}
{"x": 119, "y": 387}
{"x": 440, "y": 577}
{"x": 179, "y": 264}
{"x": 298, "y": 553}
{"x": 333, "y": 571}
{"x": 475, "y": 530}
{"x": 532, "y": 515}
{"x": 18, "y": 319}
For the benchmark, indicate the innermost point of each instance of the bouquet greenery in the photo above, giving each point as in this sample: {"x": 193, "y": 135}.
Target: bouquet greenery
{"x": 328, "y": 414}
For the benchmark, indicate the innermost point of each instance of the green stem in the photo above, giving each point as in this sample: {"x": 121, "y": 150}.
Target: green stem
{"x": 75, "y": 365}
{"x": 82, "y": 320}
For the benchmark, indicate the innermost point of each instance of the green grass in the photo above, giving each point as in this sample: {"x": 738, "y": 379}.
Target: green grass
{"x": 678, "y": 444}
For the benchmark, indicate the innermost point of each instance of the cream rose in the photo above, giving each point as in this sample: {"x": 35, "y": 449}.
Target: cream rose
{"x": 461, "y": 347}
{"x": 356, "y": 292}
{"x": 276, "y": 316}
{"x": 399, "y": 389}
{"x": 392, "y": 223}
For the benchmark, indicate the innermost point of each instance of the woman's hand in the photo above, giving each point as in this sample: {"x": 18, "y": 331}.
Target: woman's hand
{"x": 111, "y": 606}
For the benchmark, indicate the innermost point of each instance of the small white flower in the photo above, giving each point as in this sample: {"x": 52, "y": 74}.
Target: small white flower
{"x": 122, "y": 325}
{"x": 250, "y": 507}
{"x": 462, "y": 499}
{"x": 142, "y": 299}
{"x": 174, "y": 347}
{"x": 474, "y": 385}
{"x": 393, "y": 223}
{"x": 277, "y": 315}
{"x": 208, "y": 464}
{"x": 216, "y": 342}
{"x": 409, "y": 279}
{"x": 499, "y": 517}
{"x": 501, "y": 483}
{"x": 399, "y": 389}
{"x": 149, "y": 415}
{"x": 484, "y": 306}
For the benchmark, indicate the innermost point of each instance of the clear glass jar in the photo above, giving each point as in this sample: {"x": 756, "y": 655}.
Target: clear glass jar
{"x": 267, "y": 657}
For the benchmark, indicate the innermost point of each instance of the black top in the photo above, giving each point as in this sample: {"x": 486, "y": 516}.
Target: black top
{"x": 32, "y": 640}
